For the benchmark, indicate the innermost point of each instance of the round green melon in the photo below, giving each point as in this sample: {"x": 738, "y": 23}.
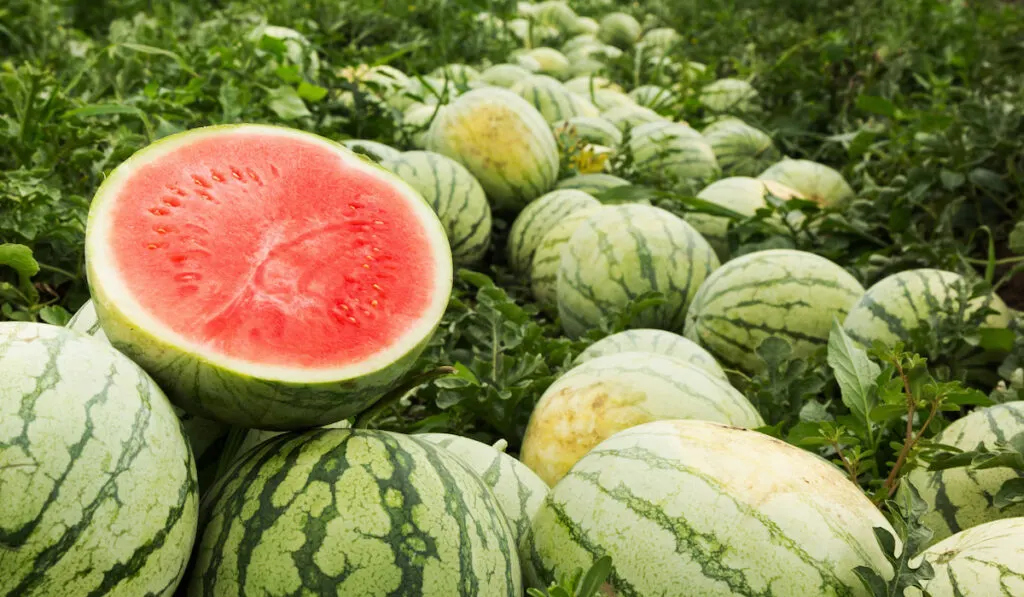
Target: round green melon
{"x": 550, "y": 97}
{"x": 579, "y": 41}
{"x": 729, "y": 95}
{"x": 656, "y": 342}
{"x": 983, "y": 561}
{"x": 456, "y": 196}
{"x": 504, "y": 75}
{"x": 898, "y": 305}
{"x": 205, "y": 436}
{"x": 655, "y": 97}
{"x": 587, "y": 26}
{"x": 374, "y": 150}
{"x": 502, "y": 140}
{"x": 628, "y": 115}
{"x": 594, "y": 130}
{"x": 741, "y": 194}
{"x": 557, "y": 14}
{"x": 551, "y": 61}
{"x": 607, "y": 394}
{"x": 622, "y": 252}
{"x": 460, "y": 74}
{"x": 97, "y": 482}
{"x": 518, "y": 489}
{"x": 384, "y": 78}
{"x": 416, "y": 123}
{"x": 780, "y": 292}
{"x": 699, "y": 508}
{"x": 961, "y": 498}
{"x": 741, "y": 149}
{"x": 586, "y": 84}
{"x": 353, "y": 512}
{"x": 593, "y": 183}
{"x": 815, "y": 181}
{"x": 619, "y": 29}
{"x": 265, "y": 277}
{"x": 547, "y": 258}
{"x": 674, "y": 150}
{"x": 596, "y": 51}
{"x": 537, "y": 219}
{"x": 661, "y": 39}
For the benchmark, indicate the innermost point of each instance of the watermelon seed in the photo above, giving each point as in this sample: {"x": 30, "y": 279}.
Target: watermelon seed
{"x": 378, "y": 222}
{"x": 352, "y": 319}
{"x": 176, "y": 190}
{"x": 252, "y": 174}
{"x": 188, "y": 277}
{"x": 152, "y": 246}
{"x": 366, "y": 266}
{"x": 236, "y": 173}
{"x": 376, "y": 287}
{"x": 172, "y": 201}
{"x": 161, "y": 229}
{"x": 207, "y": 196}
{"x": 373, "y": 302}
{"x": 217, "y": 176}
{"x": 274, "y": 170}
{"x": 159, "y": 211}
{"x": 199, "y": 180}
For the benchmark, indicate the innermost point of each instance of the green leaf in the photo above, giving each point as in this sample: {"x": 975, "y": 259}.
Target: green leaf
{"x": 912, "y": 536}
{"x": 1010, "y": 494}
{"x": 987, "y": 180}
{"x": 951, "y": 180}
{"x": 286, "y": 103}
{"x": 876, "y": 105}
{"x": 996, "y": 339}
{"x": 20, "y": 259}
{"x": 1016, "y": 241}
{"x": 591, "y": 582}
{"x": 310, "y": 92}
{"x": 144, "y": 49}
{"x": 855, "y": 372}
{"x": 55, "y": 315}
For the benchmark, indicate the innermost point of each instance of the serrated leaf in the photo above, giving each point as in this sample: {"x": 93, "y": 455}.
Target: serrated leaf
{"x": 855, "y": 372}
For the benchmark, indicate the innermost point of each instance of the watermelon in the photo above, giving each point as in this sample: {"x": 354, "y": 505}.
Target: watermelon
{"x": 424, "y": 90}
{"x": 537, "y": 219}
{"x": 551, "y": 61}
{"x": 547, "y": 258}
{"x": 674, "y": 150}
{"x": 607, "y": 394}
{"x": 594, "y": 130}
{"x": 655, "y": 97}
{"x": 661, "y": 39}
{"x": 455, "y": 195}
{"x": 265, "y": 277}
{"x": 372, "y": 149}
{"x": 814, "y": 181}
{"x": 741, "y": 194}
{"x": 503, "y": 140}
{"x": 518, "y": 489}
{"x": 353, "y": 512}
{"x": 587, "y": 26}
{"x": 619, "y": 29}
{"x": 624, "y": 251}
{"x": 557, "y": 14}
{"x": 526, "y": 63}
{"x": 592, "y": 183}
{"x": 741, "y": 149}
{"x": 586, "y": 84}
{"x": 206, "y": 437}
{"x": 983, "y": 561}
{"x": 656, "y": 342}
{"x": 961, "y": 498}
{"x": 729, "y": 95}
{"x": 699, "y": 508}
{"x": 504, "y": 75}
{"x": 416, "y": 122}
{"x": 460, "y": 74}
{"x": 550, "y": 97}
{"x": 97, "y": 480}
{"x": 628, "y": 115}
{"x": 780, "y": 292}
{"x": 592, "y": 51}
{"x": 384, "y": 78}
{"x": 897, "y": 305}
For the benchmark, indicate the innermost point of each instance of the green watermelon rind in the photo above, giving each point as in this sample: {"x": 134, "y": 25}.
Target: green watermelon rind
{"x": 539, "y": 217}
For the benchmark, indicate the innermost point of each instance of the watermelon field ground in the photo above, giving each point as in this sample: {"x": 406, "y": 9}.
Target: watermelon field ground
{"x": 566, "y": 298}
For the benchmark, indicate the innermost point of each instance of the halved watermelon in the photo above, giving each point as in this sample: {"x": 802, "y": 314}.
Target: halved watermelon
{"x": 265, "y": 277}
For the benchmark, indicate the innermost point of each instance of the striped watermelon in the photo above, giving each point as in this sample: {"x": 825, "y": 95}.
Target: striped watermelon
{"x": 671, "y": 149}
{"x": 537, "y": 219}
{"x": 896, "y": 305}
{"x": 551, "y": 61}
{"x": 657, "y": 342}
{"x": 741, "y": 194}
{"x": 456, "y": 196}
{"x": 518, "y": 489}
{"x": 353, "y": 512}
{"x": 698, "y": 508}
{"x": 591, "y": 129}
{"x": 205, "y": 436}
{"x": 547, "y": 258}
{"x": 525, "y": 61}
{"x": 741, "y": 149}
{"x": 587, "y": 26}
{"x": 504, "y": 75}
{"x": 626, "y": 115}
{"x": 372, "y": 149}
{"x": 416, "y": 121}
{"x": 503, "y": 140}
{"x": 661, "y": 39}
{"x": 556, "y": 13}
{"x": 587, "y": 84}
{"x": 961, "y": 498}
{"x": 814, "y": 181}
{"x": 781, "y": 292}
{"x": 619, "y": 29}
{"x": 599, "y": 52}
{"x": 983, "y": 561}
{"x": 592, "y": 183}
{"x": 233, "y": 263}
{"x": 549, "y": 96}
{"x": 97, "y": 482}
{"x": 655, "y": 97}
{"x": 729, "y": 95}
{"x": 624, "y": 251}
{"x": 607, "y": 394}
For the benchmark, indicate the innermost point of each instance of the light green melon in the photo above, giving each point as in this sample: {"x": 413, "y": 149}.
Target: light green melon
{"x": 549, "y": 97}
{"x": 585, "y": 84}
{"x": 674, "y": 150}
{"x": 592, "y": 183}
{"x": 551, "y": 61}
{"x": 416, "y": 123}
{"x": 537, "y": 219}
{"x": 741, "y": 149}
{"x": 374, "y": 150}
{"x": 657, "y": 342}
{"x": 610, "y": 99}
{"x": 661, "y": 39}
{"x": 502, "y": 140}
{"x": 98, "y": 490}
{"x": 961, "y": 498}
{"x": 547, "y": 258}
{"x": 619, "y": 29}
{"x": 557, "y": 14}
{"x": 780, "y": 292}
{"x": 983, "y": 561}
{"x": 456, "y": 197}
{"x": 629, "y": 115}
{"x": 587, "y": 26}
{"x": 741, "y": 194}
{"x": 699, "y": 508}
{"x": 729, "y": 95}
{"x": 504, "y": 75}
{"x": 625, "y": 251}
{"x": 595, "y": 130}
{"x": 655, "y": 97}
{"x": 817, "y": 182}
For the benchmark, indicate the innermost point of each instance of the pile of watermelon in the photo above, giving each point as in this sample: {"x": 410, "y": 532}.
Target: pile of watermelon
{"x": 256, "y": 288}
